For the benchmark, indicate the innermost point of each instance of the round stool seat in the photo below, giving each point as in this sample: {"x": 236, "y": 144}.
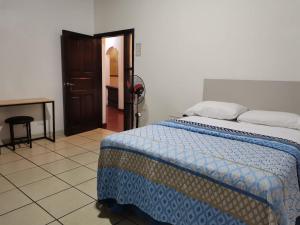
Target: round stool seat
{"x": 19, "y": 120}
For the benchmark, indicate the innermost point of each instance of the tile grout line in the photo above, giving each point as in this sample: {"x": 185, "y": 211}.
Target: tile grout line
{"x": 10, "y": 161}
{"x": 70, "y": 158}
{"x": 54, "y": 221}
{"x": 127, "y": 218}
{"x": 85, "y": 137}
{"x": 33, "y": 202}
{"x": 71, "y": 186}
{"x": 17, "y": 209}
{"x": 83, "y": 165}
{"x": 18, "y": 170}
{"x": 36, "y": 202}
{"x": 64, "y": 158}
{"x": 25, "y": 184}
{"x": 76, "y": 210}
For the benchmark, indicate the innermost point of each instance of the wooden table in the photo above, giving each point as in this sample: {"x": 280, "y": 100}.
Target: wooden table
{"x": 34, "y": 101}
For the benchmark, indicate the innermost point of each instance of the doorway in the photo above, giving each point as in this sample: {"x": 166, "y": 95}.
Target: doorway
{"x": 121, "y": 110}
{"x": 113, "y": 83}
{"x": 97, "y": 82}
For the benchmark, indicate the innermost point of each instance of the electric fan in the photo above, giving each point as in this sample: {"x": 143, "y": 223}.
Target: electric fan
{"x": 139, "y": 91}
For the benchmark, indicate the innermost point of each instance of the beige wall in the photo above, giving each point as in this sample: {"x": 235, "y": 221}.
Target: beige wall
{"x": 184, "y": 42}
{"x": 30, "y": 56}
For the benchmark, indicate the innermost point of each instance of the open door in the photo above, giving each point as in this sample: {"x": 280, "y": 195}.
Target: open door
{"x": 81, "y": 82}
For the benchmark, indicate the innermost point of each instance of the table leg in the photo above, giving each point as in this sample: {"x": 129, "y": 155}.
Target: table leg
{"x": 53, "y": 120}
{"x": 44, "y": 119}
{"x": 12, "y": 136}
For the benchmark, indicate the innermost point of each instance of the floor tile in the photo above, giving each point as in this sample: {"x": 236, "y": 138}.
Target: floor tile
{"x": 85, "y": 134}
{"x": 104, "y": 131}
{"x": 44, "y": 188}
{"x": 59, "y": 145}
{"x": 94, "y": 145}
{"x": 89, "y": 188}
{"x": 24, "y": 145}
{"x": 71, "y": 151}
{"x": 76, "y": 140}
{"x": 34, "y": 151}
{"x": 5, "y": 151}
{"x": 9, "y": 157}
{"x": 15, "y": 166}
{"x": 60, "y": 166}
{"x": 96, "y": 151}
{"x": 65, "y": 202}
{"x": 5, "y": 185}
{"x": 93, "y": 166}
{"x": 28, "y": 215}
{"x": 77, "y": 175}
{"x": 65, "y": 159}
{"x": 45, "y": 158}
{"x": 28, "y": 176}
{"x": 96, "y": 137}
{"x": 59, "y": 135}
{"x": 11, "y": 200}
{"x": 54, "y": 223}
{"x": 85, "y": 158}
{"x": 89, "y": 215}
{"x": 42, "y": 142}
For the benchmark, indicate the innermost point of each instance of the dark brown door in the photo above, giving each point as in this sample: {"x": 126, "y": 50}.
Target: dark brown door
{"x": 128, "y": 80}
{"x": 81, "y": 82}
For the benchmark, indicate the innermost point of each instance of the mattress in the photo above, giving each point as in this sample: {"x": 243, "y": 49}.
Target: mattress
{"x": 203, "y": 171}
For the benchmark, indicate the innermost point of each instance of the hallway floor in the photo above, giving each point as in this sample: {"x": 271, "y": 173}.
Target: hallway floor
{"x": 115, "y": 119}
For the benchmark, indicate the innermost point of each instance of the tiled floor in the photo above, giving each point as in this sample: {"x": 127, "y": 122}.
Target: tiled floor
{"x": 115, "y": 119}
{"x": 55, "y": 183}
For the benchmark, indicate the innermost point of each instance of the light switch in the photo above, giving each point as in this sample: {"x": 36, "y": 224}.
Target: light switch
{"x": 138, "y": 49}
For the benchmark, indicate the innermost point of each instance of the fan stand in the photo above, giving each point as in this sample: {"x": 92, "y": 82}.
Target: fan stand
{"x": 137, "y": 114}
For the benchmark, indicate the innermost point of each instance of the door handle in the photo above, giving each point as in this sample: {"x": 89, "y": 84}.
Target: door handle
{"x": 67, "y": 84}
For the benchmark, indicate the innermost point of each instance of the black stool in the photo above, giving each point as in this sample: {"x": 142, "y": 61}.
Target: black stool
{"x": 19, "y": 120}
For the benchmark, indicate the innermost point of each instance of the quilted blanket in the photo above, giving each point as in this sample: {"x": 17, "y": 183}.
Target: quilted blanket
{"x": 187, "y": 173}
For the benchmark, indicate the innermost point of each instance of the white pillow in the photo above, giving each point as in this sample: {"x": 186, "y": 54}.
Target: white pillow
{"x": 216, "y": 110}
{"x": 271, "y": 118}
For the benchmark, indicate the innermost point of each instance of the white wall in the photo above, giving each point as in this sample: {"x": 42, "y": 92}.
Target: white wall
{"x": 30, "y": 53}
{"x": 184, "y": 42}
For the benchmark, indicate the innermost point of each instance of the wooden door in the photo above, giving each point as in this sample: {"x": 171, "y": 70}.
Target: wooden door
{"x": 128, "y": 80}
{"x": 81, "y": 82}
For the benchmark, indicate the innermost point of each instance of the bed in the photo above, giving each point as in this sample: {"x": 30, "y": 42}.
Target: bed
{"x": 198, "y": 170}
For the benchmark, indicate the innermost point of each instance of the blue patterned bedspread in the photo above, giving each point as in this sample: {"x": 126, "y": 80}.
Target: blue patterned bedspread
{"x": 186, "y": 173}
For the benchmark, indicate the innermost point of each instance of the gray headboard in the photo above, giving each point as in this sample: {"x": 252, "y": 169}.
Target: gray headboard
{"x": 264, "y": 95}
